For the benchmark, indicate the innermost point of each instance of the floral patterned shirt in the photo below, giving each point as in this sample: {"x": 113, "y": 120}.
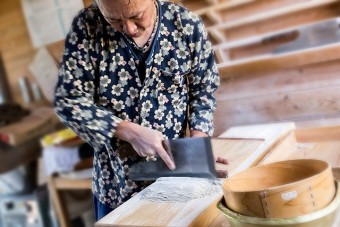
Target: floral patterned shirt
{"x": 99, "y": 86}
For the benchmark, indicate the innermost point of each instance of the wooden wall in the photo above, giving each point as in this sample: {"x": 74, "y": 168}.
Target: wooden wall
{"x": 15, "y": 44}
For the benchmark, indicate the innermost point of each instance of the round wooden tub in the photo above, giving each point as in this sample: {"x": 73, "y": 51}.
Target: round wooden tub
{"x": 281, "y": 190}
{"x": 323, "y": 218}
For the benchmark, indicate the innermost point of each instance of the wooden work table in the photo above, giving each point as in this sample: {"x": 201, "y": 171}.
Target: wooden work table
{"x": 244, "y": 147}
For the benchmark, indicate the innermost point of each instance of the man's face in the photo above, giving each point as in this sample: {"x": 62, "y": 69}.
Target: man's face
{"x": 131, "y": 17}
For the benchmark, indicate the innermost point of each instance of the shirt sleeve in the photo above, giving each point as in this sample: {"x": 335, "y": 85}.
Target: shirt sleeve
{"x": 203, "y": 81}
{"x": 75, "y": 94}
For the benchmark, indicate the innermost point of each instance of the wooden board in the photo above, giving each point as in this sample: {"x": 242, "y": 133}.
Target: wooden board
{"x": 136, "y": 212}
{"x": 242, "y": 148}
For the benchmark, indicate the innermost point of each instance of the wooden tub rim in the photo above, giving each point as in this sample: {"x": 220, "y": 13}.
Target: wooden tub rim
{"x": 278, "y": 187}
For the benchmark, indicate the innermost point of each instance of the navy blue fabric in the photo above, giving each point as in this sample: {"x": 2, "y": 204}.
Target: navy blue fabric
{"x": 100, "y": 210}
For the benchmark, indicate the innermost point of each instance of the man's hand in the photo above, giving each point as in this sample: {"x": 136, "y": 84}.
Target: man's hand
{"x": 222, "y": 173}
{"x": 146, "y": 142}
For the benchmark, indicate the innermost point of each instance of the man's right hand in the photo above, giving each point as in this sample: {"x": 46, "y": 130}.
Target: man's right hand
{"x": 146, "y": 142}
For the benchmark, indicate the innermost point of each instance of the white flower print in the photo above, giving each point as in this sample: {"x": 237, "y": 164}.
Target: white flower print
{"x": 78, "y": 84}
{"x": 159, "y": 59}
{"x": 97, "y": 124}
{"x": 89, "y": 86}
{"x": 172, "y": 89}
{"x": 119, "y": 60}
{"x": 112, "y": 193}
{"x": 103, "y": 157}
{"x": 123, "y": 75}
{"x": 87, "y": 65}
{"x": 68, "y": 77}
{"x": 105, "y": 174}
{"x": 203, "y": 126}
{"x": 194, "y": 18}
{"x": 162, "y": 99}
{"x": 182, "y": 53}
{"x": 164, "y": 30}
{"x": 159, "y": 127}
{"x": 173, "y": 64}
{"x": 77, "y": 115}
{"x": 173, "y": 8}
{"x": 181, "y": 107}
{"x": 177, "y": 35}
{"x": 113, "y": 46}
{"x": 132, "y": 64}
{"x": 147, "y": 106}
{"x": 133, "y": 92}
{"x": 188, "y": 29}
{"x": 178, "y": 127}
{"x": 168, "y": 122}
{"x": 71, "y": 63}
{"x": 118, "y": 105}
{"x": 117, "y": 90}
{"x": 84, "y": 45}
{"x": 100, "y": 113}
{"x": 105, "y": 81}
{"x": 78, "y": 73}
{"x": 87, "y": 114}
{"x": 159, "y": 114}
{"x": 77, "y": 55}
{"x": 186, "y": 15}
{"x": 168, "y": 15}
{"x": 165, "y": 45}
{"x": 103, "y": 66}
{"x": 73, "y": 38}
{"x": 186, "y": 66}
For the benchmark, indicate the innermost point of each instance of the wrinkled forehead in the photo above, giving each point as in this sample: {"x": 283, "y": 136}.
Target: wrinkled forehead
{"x": 122, "y": 8}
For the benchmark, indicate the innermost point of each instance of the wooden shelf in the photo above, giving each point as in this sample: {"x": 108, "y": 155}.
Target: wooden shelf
{"x": 221, "y": 6}
{"x": 277, "y": 19}
{"x": 237, "y": 9}
{"x": 272, "y": 62}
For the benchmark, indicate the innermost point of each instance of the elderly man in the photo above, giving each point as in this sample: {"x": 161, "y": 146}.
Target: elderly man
{"x": 134, "y": 73}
